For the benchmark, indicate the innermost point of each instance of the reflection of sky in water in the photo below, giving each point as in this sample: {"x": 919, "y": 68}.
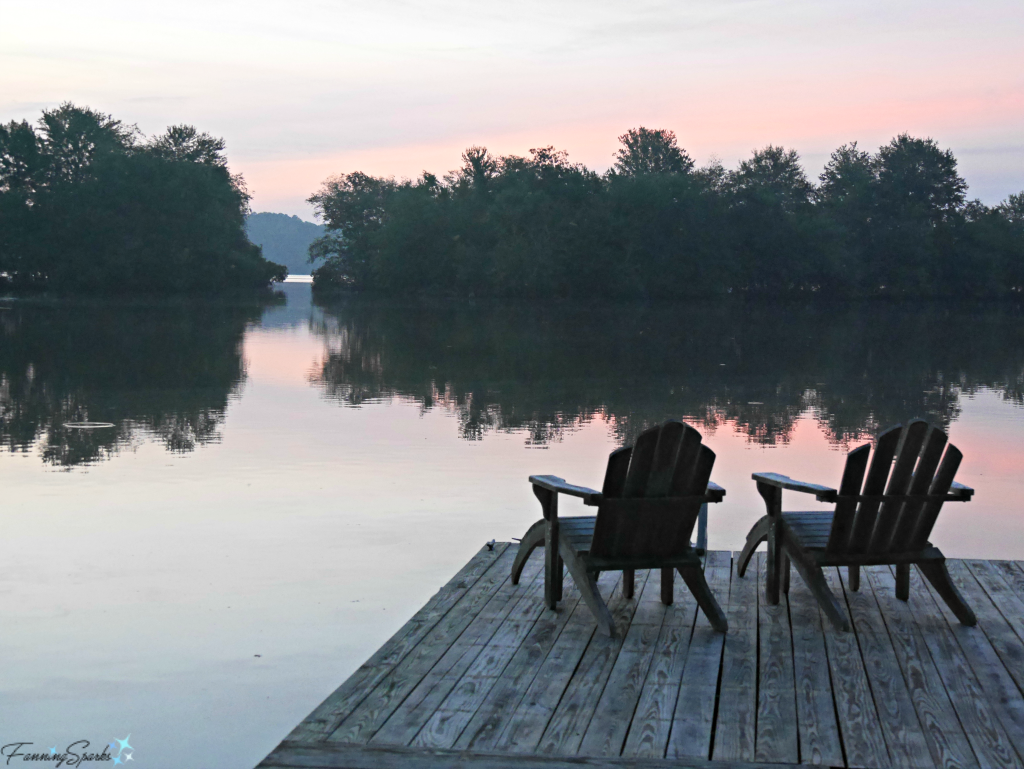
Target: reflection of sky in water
{"x": 137, "y": 591}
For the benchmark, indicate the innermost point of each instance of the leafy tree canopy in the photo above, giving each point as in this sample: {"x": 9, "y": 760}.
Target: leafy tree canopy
{"x": 895, "y": 222}
{"x": 650, "y": 151}
{"x": 88, "y": 204}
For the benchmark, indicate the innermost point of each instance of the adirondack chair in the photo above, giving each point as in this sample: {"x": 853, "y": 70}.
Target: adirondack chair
{"x": 874, "y": 522}
{"x": 652, "y": 494}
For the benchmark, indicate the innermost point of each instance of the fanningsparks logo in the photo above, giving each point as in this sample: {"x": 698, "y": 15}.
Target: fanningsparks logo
{"x": 75, "y": 754}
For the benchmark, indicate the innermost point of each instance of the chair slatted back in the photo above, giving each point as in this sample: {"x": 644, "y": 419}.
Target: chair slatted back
{"x": 652, "y": 494}
{"x": 902, "y": 494}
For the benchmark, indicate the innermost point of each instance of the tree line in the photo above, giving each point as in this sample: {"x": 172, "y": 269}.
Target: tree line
{"x": 87, "y": 203}
{"x": 894, "y": 222}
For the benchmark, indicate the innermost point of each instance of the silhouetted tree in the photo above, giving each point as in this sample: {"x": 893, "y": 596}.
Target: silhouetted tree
{"x": 650, "y": 151}
{"x": 87, "y": 206}
{"x": 186, "y": 144}
{"x": 541, "y": 225}
{"x": 917, "y": 180}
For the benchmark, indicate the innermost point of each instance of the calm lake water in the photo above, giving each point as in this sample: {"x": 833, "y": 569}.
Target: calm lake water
{"x": 284, "y": 485}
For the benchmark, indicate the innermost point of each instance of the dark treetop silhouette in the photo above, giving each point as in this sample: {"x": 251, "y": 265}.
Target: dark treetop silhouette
{"x": 87, "y": 205}
{"x": 893, "y": 223}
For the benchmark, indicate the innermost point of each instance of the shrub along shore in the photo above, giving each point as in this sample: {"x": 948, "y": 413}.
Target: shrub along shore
{"x": 896, "y": 222}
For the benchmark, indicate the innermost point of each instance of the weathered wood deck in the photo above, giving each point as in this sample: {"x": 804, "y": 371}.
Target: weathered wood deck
{"x": 485, "y": 676}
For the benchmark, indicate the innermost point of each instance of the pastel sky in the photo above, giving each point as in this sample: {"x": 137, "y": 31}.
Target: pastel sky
{"x": 307, "y": 89}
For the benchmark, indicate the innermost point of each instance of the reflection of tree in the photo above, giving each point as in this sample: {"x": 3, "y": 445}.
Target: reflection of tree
{"x": 161, "y": 371}
{"x": 545, "y": 370}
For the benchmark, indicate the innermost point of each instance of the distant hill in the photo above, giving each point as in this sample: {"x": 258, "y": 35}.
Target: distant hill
{"x": 285, "y": 239}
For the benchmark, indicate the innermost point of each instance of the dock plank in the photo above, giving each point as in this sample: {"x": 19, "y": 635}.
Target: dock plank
{"x": 735, "y": 728}
{"x": 652, "y": 721}
{"x": 776, "y": 696}
{"x": 969, "y": 667}
{"x": 537, "y": 677}
{"x": 1009, "y": 603}
{"x": 901, "y": 729}
{"x": 610, "y": 724}
{"x": 401, "y": 727}
{"x": 1003, "y": 704}
{"x": 485, "y": 677}
{"x": 818, "y": 729}
{"x": 859, "y": 727}
{"x": 947, "y": 742}
{"x": 695, "y": 706}
{"x": 469, "y": 614}
{"x": 290, "y": 755}
{"x": 569, "y": 722}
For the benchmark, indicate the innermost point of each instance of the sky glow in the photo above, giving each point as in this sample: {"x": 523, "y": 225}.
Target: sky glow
{"x": 305, "y": 90}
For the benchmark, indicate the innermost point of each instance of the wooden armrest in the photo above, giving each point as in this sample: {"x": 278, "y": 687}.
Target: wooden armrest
{"x": 714, "y": 492}
{"x": 822, "y": 493}
{"x": 960, "y": 493}
{"x": 559, "y": 486}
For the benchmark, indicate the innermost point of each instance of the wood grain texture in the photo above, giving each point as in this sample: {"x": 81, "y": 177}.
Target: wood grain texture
{"x": 486, "y": 676}
{"x": 516, "y": 725}
{"x": 606, "y": 734}
{"x": 564, "y": 732}
{"x": 652, "y": 721}
{"x": 947, "y": 742}
{"x": 858, "y": 718}
{"x": 904, "y": 737}
{"x": 1004, "y": 590}
{"x": 1000, "y": 716}
{"x": 735, "y": 729}
{"x": 556, "y": 638}
{"x": 776, "y": 698}
{"x": 465, "y": 617}
{"x": 464, "y": 656}
{"x": 979, "y": 687}
{"x": 695, "y": 706}
{"x": 818, "y": 730}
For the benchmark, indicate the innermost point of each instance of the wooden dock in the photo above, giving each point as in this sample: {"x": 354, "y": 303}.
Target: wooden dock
{"x": 485, "y": 676}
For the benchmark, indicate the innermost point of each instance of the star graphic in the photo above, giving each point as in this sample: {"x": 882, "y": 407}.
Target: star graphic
{"x": 124, "y": 744}
{"x": 113, "y": 746}
{"x": 128, "y": 757}
{"x": 52, "y": 751}
{"x": 117, "y": 760}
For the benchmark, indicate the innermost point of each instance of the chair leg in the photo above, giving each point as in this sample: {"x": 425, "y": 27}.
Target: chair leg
{"x": 552, "y": 568}
{"x": 815, "y": 580}
{"x": 938, "y": 575}
{"x": 667, "y": 585}
{"x": 774, "y": 564}
{"x": 628, "y": 582}
{"x": 903, "y": 581}
{"x": 785, "y": 573}
{"x": 757, "y": 535}
{"x": 588, "y": 591}
{"x": 693, "y": 576}
{"x": 532, "y": 539}
{"x": 853, "y": 577}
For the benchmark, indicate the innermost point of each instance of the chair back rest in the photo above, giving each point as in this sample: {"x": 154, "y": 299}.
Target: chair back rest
{"x": 652, "y": 494}
{"x": 893, "y": 508}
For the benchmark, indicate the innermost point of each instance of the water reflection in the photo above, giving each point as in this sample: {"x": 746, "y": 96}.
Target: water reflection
{"x": 165, "y": 372}
{"x": 545, "y": 370}
{"x": 159, "y": 372}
